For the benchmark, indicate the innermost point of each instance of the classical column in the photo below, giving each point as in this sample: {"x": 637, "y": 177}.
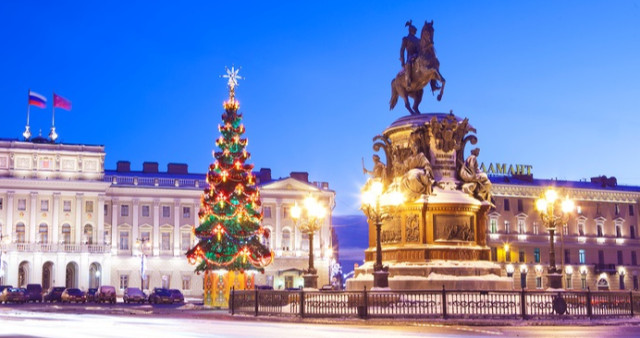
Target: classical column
{"x": 10, "y": 214}
{"x": 135, "y": 230}
{"x": 277, "y": 229}
{"x": 55, "y": 227}
{"x": 33, "y": 228}
{"x": 78, "y": 227}
{"x": 176, "y": 227}
{"x": 114, "y": 225}
{"x": 100, "y": 213}
{"x": 156, "y": 227}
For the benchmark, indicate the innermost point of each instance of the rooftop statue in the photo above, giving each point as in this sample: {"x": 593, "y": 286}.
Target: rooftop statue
{"x": 419, "y": 68}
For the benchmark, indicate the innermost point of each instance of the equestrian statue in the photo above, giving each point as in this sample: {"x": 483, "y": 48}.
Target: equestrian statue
{"x": 419, "y": 68}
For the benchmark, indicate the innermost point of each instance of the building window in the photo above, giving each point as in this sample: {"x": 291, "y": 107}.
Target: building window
{"x": 166, "y": 211}
{"x": 535, "y": 228}
{"x": 185, "y": 240}
{"x": 106, "y": 210}
{"x": 304, "y": 245}
{"x": 43, "y": 233}
{"x": 538, "y": 282}
{"x": 493, "y": 225}
{"x": 630, "y": 210}
{"x": 634, "y": 259}
{"x": 186, "y": 283}
{"x": 565, "y": 229}
{"x": 145, "y": 211}
{"x": 520, "y": 207}
{"x": 124, "y": 282}
{"x": 581, "y": 256}
{"x": 88, "y": 206}
{"x": 632, "y": 232}
{"x": 22, "y": 204}
{"x": 165, "y": 243}
{"x": 124, "y": 240}
{"x": 124, "y": 210}
{"x": 494, "y": 254}
{"x": 66, "y": 206}
{"x": 521, "y": 226}
{"x": 599, "y": 230}
{"x": 166, "y": 281}
{"x": 521, "y": 256}
{"x": 600, "y": 257}
{"x": 583, "y": 282}
{"x": 145, "y": 236}
{"x": 579, "y": 210}
{"x": 506, "y": 205}
{"x": 88, "y": 234}
{"x": 266, "y": 212}
{"x": 186, "y": 212}
{"x": 66, "y": 234}
{"x": 44, "y": 205}
{"x": 569, "y": 281}
{"x": 567, "y": 256}
{"x": 536, "y": 255}
{"x": 618, "y": 231}
{"x": 285, "y": 212}
{"x": 286, "y": 239}
{"x": 617, "y": 209}
{"x": 620, "y": 259}
{"x": 581, "y": 229}
{"x": 507, "y": 227}
{"x": 20, "y": 232}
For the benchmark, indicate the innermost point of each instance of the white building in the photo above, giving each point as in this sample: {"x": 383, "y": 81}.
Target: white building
{"x": 65, "y": 221}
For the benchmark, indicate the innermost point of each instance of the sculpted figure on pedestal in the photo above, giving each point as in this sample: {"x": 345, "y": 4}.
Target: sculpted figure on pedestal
{"x": 477, "y": 182}
{"x": 418, "y": 177}
{"x": 378, "y": 173}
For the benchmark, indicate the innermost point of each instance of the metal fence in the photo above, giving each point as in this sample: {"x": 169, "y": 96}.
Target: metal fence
{"x": 436, "y": 304}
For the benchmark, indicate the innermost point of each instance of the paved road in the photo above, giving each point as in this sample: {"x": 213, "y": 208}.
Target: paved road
{"x": 141, "y": 321}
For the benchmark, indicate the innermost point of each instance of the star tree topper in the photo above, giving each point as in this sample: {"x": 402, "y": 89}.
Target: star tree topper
{"x": 232, "y": 75}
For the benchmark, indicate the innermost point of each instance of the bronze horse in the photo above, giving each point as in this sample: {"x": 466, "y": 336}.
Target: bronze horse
{"x": 425, "y": 70}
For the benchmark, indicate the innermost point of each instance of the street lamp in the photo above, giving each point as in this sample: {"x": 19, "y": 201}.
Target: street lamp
{"x": 546, "y": 206}
{"x": 374, "y": 203}
{"x": 142, "y": 243}
{"x": 309, "y": 219}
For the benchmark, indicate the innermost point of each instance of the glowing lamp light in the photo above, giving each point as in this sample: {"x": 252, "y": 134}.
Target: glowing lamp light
{"x": 568, "y": 270}
{"x": 541, "y": 204}
{"x": 524, "y": 269}
{"x": 622, "y": 271}
{"x": 567, "y": 205}
{"x": 510, "y": 269}
{"x": 583, "y": 270}
{"x": 551, "y": 195}
{"x": 539, "y": 269}
{"x": 295, "y": 211}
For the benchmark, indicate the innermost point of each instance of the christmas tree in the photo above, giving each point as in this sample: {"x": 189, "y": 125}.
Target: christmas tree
{"x": 230, "y": 221}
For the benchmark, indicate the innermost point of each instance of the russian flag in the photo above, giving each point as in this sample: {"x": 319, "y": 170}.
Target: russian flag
{"x": 37, "y": 100}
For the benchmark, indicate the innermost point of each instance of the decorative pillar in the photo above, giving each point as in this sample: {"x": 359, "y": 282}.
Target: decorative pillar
{"x": 78, "y": 227}
{"x": 278, "y": 226}
{"x": 100, "y": 213}
{"x": 55, "y": 227}
{"x": 135, "y": 230}
{"x": 33, "y": 228}
{"x": 156, "y": 227}
{"x": 176, "y": 227}
{"x": 114, "y": 225}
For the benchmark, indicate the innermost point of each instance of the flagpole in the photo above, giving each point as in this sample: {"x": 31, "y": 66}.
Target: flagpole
{"x": 27, "y": 133}
{"x": 52, "y": 135}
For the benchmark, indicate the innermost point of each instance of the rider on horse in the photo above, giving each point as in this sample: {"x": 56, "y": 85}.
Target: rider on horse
{"x": 411, "y": 44}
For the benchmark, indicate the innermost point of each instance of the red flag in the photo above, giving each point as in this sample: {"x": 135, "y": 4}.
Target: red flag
{"x": 61, "y": 102}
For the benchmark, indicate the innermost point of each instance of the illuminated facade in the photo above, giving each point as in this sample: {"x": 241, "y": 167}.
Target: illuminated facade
{"x": 598, "y": 247}
{"x": 65, "y": 221}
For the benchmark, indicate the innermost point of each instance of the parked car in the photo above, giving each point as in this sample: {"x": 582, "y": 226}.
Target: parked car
{"x": 12, "y": 295}
{"x": 160, "y": 295}
{"x": 54, "y": 294}
{"x": 106, "y": 293}
{"x": 134, "y": 295}
{"x": 2, "y": 287}
{"x": 34, "y": 293}
{"x": 91, "y": 294}
{"x": 73, "y": 295}
{"x": 177, "y": 296}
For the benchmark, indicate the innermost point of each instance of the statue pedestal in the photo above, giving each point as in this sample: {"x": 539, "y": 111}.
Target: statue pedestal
{"x": 554, "y": 280}
{"x": 380, "y": 279}
{"x": 310, "y": 281}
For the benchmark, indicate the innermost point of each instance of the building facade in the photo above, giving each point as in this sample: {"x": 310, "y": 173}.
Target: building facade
{"x": 597, "y": 248}
{"x": 65, "y": 221}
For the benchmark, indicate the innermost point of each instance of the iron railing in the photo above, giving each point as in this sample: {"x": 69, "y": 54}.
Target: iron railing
{"x": 525, "y": 304}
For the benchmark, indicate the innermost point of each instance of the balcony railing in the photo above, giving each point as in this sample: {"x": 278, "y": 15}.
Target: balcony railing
{"x": 62, "y": 247}
{"x": 157, "y": 182}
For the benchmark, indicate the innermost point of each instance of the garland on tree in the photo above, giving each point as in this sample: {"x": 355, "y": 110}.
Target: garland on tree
{"x": 230, "y": 231}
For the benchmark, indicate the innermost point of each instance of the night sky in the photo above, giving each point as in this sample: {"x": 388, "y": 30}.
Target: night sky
{"x": 546, "y": 83}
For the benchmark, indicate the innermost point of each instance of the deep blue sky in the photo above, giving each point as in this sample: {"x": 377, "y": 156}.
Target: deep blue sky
{"x": 547, "y": 83}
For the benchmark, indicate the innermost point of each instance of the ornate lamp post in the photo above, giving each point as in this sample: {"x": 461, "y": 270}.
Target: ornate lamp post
{"x": 142, "y": 243}
{"x": 374, "y": 203}
{"x": 309, "y": 219}
{"x": 551, "y": 218}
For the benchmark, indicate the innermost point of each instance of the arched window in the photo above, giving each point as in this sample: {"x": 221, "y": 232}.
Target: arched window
{"x": 43, "y": 233}
{"x": 88, "y": 234}
{"x": 305, "y": 242}
{"x": 286, "y": 239}
{"x": 66, "y": 234}
{"x": 20, "y": 232}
